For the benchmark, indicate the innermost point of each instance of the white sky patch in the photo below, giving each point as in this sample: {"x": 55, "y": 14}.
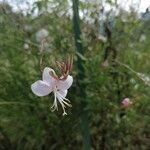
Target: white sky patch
{"x": 20, "y": 5}
{"x": 139, "y": 5}
{"x": 144, "y": 4}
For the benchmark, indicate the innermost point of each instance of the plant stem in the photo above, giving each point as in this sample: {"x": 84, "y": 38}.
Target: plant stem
{"x": 126, "y": 66}
{"x": 81, "y": 77}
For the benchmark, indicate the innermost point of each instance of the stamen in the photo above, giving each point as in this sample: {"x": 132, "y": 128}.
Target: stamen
{"x": 53, "y": 74}
{"x": 63, "y": 107}
{"x": 60, "y": 65}
{"x": 65, "y": 68}
{"x": 64, "y": 113}
{"x": 54, "y": 106}
{"x": 69, "y": 105}
{"x": 62, "y": 101}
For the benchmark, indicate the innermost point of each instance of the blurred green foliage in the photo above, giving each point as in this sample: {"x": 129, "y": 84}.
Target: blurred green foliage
{"x": 26, "y": 122}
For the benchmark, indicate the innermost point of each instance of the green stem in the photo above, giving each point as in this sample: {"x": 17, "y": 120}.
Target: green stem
{"x": 81, "y": 77}
{"x": 126, "y": 66}
{"x": 16, "y": 103}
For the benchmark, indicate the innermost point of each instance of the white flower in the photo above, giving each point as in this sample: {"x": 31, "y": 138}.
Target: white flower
{"x": 41, "y": 34}
{"x": 28, "y": 28}
{"x": 51, "y": 83}
{"x": 26, "y": 46}
{"x": 102, "y": 38}
{"x": 142, "y": 38}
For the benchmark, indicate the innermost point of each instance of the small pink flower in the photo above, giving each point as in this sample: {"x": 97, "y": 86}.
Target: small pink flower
{"x": 126, "y": 102}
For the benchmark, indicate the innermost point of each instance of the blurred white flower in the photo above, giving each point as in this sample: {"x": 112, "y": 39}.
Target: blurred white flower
{"x": 102, "y": 38}
{"x": 51, "y": 83}
{"x": 26, "y": 46}
{"x": 142, "y": 38}
{"x": 131, "y": 45}
{"x": 105, "y": 64}
{"x": 28, "y": 28}
{"x": 41, "y": 34}
{"x": 126, "y": 102}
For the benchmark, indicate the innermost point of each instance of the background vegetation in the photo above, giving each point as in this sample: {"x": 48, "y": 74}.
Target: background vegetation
{"x": 111, "y": 40}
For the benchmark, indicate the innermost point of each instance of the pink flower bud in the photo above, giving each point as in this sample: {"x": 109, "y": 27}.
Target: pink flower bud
{"x": 126, "y": 102}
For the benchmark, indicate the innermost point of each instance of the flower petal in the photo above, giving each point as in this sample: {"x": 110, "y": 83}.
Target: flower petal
{"x": 51, "y": 81}
{"x": 40, "y": 88}
{"x": 63, "y": 93}
{"x": 65, "y": 84}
